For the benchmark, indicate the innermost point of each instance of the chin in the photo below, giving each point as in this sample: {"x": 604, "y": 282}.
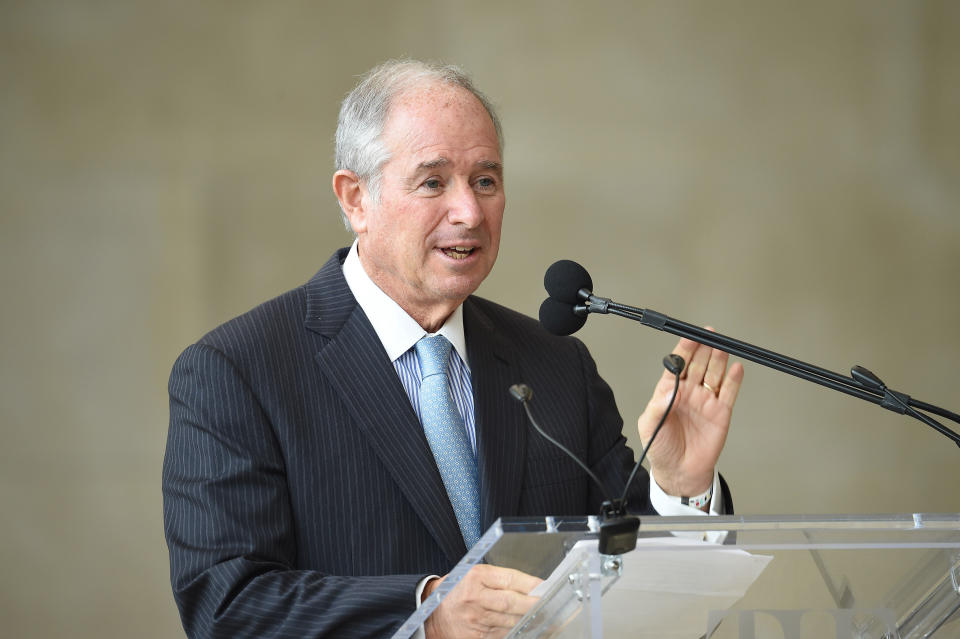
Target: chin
{"x": 459, "y": 288}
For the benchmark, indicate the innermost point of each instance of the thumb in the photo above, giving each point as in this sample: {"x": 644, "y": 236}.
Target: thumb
{"x": 663, "y": 393}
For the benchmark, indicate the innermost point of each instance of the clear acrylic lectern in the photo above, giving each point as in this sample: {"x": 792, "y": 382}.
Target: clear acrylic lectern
{"x": 803, "y": 577}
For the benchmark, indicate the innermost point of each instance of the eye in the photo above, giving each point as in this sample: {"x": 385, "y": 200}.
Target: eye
{"x": 485, "y": 184}
{"x": 432, "y": 184}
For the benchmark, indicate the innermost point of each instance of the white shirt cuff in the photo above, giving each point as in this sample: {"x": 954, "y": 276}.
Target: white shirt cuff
{"x": 667, "y": 506}
{"x": 420, "y": 586}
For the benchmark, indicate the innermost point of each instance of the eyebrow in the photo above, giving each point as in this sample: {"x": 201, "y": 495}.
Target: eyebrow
{"x": 432, "y": 164}
{"x": 490, "y": 165}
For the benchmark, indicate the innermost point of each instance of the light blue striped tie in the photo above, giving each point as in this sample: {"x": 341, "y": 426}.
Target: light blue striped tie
{"x": 447, "y": 436}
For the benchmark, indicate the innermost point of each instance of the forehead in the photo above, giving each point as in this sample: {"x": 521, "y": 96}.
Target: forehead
{"x": 439, "y": 117}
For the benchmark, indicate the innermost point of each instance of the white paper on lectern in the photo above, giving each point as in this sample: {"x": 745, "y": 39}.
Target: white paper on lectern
{"x": 669, "y": 585}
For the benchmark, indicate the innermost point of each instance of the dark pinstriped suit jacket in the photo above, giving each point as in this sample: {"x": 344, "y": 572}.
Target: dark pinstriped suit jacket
{"x": 301, "y": 498}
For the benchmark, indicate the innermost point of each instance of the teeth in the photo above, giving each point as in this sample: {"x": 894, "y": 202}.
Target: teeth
{"x": 457, "y": 252}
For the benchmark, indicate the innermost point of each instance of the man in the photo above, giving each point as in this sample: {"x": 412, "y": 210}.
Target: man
{"x": 306, "y": 493}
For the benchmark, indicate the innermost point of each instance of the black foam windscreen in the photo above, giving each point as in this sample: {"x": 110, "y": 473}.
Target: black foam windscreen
{"x": 558, "y": 318}
{"x": 674, "y": 363}
{"x": 563, "y": 279}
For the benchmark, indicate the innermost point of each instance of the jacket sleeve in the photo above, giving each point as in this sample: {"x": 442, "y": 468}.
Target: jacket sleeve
{"x": 610, "y": 458}
{"x": 228, "y": 523}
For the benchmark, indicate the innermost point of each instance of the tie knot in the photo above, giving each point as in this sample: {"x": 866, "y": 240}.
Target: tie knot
{"x": 433, "y": 352}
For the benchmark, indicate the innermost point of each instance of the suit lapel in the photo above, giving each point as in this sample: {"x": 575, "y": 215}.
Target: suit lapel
{"x": 501, "y": 429}
{"x": 356, "y": 365}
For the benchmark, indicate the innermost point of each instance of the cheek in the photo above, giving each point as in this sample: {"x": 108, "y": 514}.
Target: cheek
{"x": 397, "y": 231}
{"x": 495, "y": 221}
{"x": 409, "y": 236}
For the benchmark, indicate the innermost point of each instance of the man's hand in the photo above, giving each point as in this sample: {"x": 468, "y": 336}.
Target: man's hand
{"x": 685, "y": 451}
{"x": 487, "y": 602}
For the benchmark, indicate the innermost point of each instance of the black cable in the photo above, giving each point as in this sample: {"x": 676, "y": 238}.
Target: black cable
{"x": 676, "y": 387}
{"x": 521, "y": 392}
{"x": 550, "y": 439}
{"x": 929, "y": 421}
{"x": 936, "y": 410}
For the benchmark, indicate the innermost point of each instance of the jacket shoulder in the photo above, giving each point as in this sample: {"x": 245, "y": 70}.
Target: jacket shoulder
{"x": 522, "y": 330}
{"x": 269, "y": 324}
{"x": 288, "y": 320}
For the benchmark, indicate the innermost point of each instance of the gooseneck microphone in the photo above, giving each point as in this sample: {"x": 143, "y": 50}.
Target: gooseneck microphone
{"x": 618, "y": 529}
{"x": 673, "y": 363}
{"x": 523, "y": 394}
{"x": 571, "y": 300}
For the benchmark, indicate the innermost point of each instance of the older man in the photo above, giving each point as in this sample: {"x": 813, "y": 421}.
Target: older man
{"x": 335, "y": 448}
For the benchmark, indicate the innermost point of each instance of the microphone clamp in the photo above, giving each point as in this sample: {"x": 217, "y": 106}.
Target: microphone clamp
{"x": 592, "y": 303}
{"x": 618, "y": 529}
{"x": 596, "y": 304}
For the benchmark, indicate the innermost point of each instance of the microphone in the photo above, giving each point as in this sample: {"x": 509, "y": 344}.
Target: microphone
{"x": 565, "y": 279}
{"x": 570, "y": 288}
{"x": 674, "y": 363}
{"x": 561, "y": 318}
{"x": 618, "y": 529}
{"x": 571, "y": 299}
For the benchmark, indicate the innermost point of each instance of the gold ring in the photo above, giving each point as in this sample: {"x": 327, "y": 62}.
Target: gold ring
{"x": 709, "y": 388}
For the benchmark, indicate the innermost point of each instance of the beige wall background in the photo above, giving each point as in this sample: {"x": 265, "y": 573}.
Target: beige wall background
{"x": 788, "y": 173}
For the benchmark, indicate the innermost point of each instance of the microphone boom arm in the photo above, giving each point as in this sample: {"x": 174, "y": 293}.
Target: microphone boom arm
{"x": 864, "y": 384}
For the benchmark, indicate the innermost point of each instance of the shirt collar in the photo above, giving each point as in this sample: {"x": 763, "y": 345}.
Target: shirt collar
{"x": 398, "y": 332}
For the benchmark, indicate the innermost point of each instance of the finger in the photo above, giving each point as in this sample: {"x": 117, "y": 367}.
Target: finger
{"x": 503, "y": 608}
{"x": 715, "y": 370}
{"x": 497, "y": 624}
{"x": 507, "y": 579}
{"x": 663, "y": 390}
{"x": 498, "y": 633}
{"x": 685, "y": 348}
{"x": 486, "y": 625}
{"x": 731, "y": 384}
{"x": 698, "y": 364}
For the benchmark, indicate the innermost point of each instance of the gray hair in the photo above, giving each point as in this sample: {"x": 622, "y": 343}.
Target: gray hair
{"x": 363, "y": 114}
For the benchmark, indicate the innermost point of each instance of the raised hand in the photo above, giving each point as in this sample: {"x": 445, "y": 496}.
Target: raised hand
{"x": 685, "y": 451}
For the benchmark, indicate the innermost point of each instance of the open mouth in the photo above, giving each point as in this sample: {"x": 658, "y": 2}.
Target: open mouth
{"x": 458, "y": 252}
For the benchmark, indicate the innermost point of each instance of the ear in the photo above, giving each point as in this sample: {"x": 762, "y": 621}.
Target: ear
{"x": 350, "y": 191}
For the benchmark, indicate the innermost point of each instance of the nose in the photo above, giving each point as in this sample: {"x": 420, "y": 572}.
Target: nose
{"x": 464, "y": 207}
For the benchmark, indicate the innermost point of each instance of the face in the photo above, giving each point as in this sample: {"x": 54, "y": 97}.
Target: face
{"x": 434, "y": 234}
